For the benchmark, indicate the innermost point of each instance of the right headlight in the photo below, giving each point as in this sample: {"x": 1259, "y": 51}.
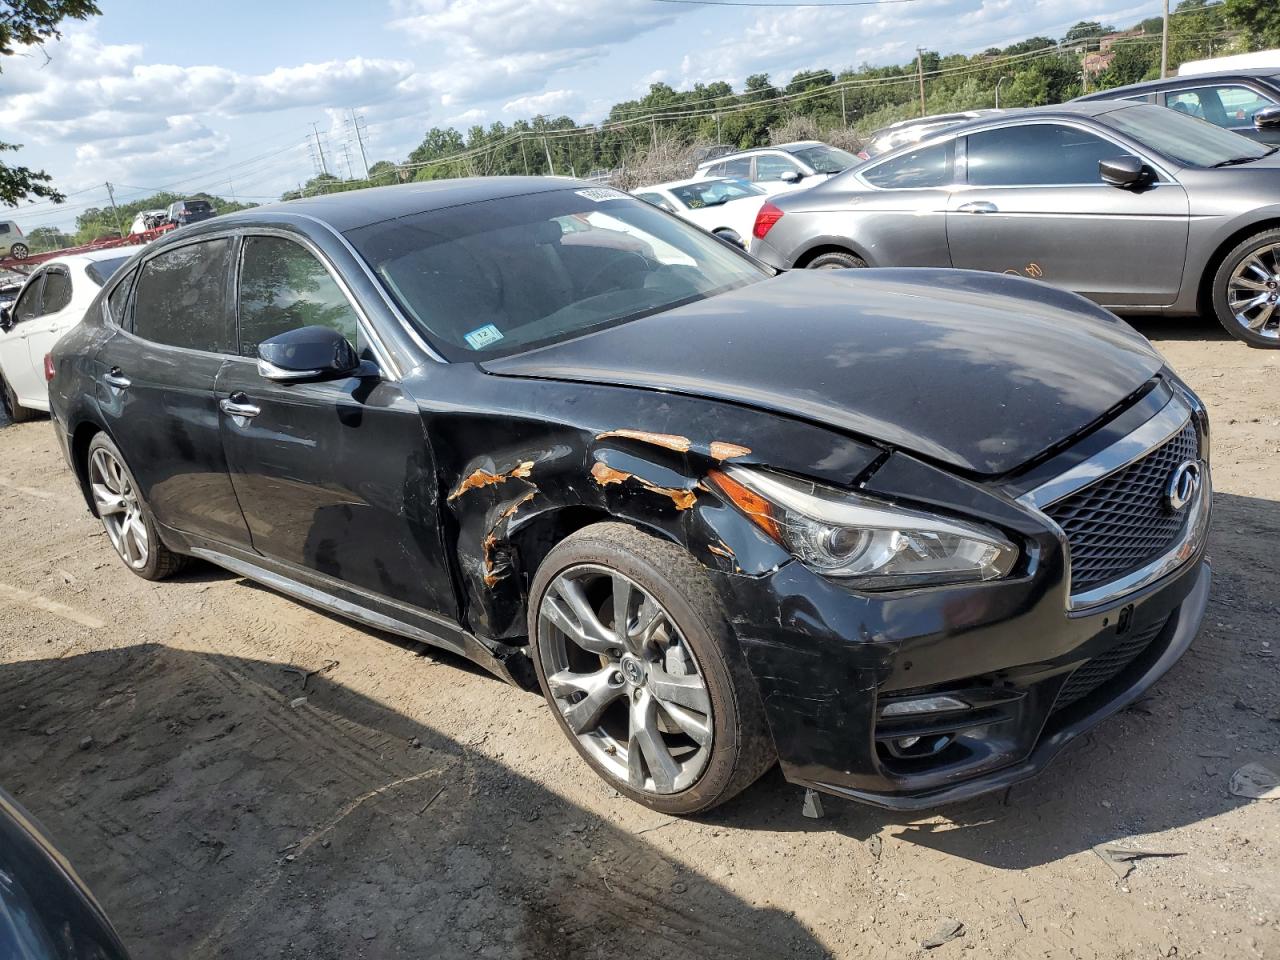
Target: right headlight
{"x": 868, "y": 543}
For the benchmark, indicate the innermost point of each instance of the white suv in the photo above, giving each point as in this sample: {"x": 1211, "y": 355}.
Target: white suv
{"x": 781, "y": 168}
{"x": 11, "y": 242}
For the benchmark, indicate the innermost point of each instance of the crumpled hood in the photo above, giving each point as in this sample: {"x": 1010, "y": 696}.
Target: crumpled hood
{"x": 977, "y": 370}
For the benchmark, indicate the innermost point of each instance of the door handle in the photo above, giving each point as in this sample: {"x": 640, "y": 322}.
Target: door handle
{"x": 977, "y": 206}
{"x": 238, "y": 405}
{"x": 116, "y": 378}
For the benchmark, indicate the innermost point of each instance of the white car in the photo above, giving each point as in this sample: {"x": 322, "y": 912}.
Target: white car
{"x": 782, "y": 168}
{"x": 11, "y": 242}
{"x": 52, "y": 301}
{"x": 725, "y": 207}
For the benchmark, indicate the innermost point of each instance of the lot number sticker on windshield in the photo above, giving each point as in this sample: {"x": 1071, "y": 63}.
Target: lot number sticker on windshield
{"x": 481, "y": 337}
{"x": 601, "y": 194}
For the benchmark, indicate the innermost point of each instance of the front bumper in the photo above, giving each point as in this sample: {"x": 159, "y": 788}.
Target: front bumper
{"x": 824, "y": 669}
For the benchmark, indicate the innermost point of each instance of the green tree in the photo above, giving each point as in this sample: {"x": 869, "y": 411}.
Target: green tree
{"x": 1257, "y": 19}
{"x": 29, "y": 23}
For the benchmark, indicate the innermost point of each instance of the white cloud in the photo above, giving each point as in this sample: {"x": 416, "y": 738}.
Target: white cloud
{"x": 553, "y": 101}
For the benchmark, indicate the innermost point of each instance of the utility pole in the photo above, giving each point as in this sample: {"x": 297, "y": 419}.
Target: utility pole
{"x": 844, "y": 114}
{"x": 114, "y": 210}
{"x": 1164, "y": 43}
{"x": 364, "y": 159}
{"x": 523, "y": 154}
{"x": 920, "y": 73}
{"x": 547, "y": 147}
{"x": 323, "y": 168}
{"x": 653, "y": 127}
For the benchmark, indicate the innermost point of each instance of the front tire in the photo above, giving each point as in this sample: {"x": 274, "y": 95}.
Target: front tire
{"x": 1246, "y": 291}
{"x": 19, "y": 251}
{"x": 15, "y": 411}
{"x": 128, "y": 521}
{"x": 664, "y": 708}
{"x": 836, "y": 260}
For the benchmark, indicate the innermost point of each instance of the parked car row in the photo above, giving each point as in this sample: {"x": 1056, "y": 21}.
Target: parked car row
{"x": 1135, "y": 206}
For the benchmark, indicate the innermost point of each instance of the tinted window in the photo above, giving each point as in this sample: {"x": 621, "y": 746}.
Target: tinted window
{"x": 28, "y": 305}
{"x": 57, "y": 291}
{"x": 741, "y": 167}
{"x": 504, "y": 275}
{"x": 712, "y": 193}
{"x": 769, "y": 167}
{"x": 1037, "y": 153}
{"x": 825, "y": 159}
{"x": 928, "y": 167}
{"x": 100, "y": 271}
{"x": 182, "y": 298}
{"x": 282, "y": 288}
{"x": 118, "y": 297}
{"x": 4, "y": 228}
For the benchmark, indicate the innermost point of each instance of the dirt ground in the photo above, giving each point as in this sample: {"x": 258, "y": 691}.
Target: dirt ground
{"x": 413, "y": 806}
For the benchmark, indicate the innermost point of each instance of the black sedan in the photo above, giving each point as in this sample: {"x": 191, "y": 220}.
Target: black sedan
{"x": 907, "y": 532}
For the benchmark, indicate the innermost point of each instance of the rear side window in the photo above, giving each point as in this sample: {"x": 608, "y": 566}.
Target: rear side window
{"x": 283, "y": 287}
{"x": 927, "y": 167}
{"x": 741, "y": 168}
{"x": 57, "y": 291}
{"x": 118, "y": 297}
{"x": 1037, "y": 154}
{"x": 182, "y": 298}
{"x": 4, "y": 228}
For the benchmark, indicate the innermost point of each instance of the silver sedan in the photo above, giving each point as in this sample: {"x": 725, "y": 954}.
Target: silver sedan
{"x": 1138, "y": 208}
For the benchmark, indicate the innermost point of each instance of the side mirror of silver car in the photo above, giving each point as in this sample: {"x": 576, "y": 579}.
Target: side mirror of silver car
{"x": 792, "y": 176}
{"x": 1267, "y": 118}
{"x": 1124, "y": 171}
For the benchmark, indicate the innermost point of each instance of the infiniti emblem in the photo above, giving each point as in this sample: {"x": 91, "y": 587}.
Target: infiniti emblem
{"x": 632, "y": 669}
{"x": 1184, "y": 484}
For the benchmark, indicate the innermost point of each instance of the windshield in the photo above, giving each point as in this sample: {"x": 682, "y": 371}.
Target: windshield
{"x": 712, "y": 193}
{"x": 824, "y": 159}
{"x": 487, "y": 279}
{"x": 100, "y": 271}
{"x": 1182, "y": 138}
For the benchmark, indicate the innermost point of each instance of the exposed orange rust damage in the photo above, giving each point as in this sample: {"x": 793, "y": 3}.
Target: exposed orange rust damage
{"x": 491, "y": 573}
{"x": 510, "y": 512}
{"x": 721, "y": 549}
{"x": 483, "y": 478}
{"x": 723, "y": 450}
{"x": 604, "y": 474}
{"x": 669, "y": 440}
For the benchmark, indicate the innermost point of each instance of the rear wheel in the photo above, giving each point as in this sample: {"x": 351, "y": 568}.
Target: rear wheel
{"x": 128, "y": 521}
{"x": 836, "y": 260}
{"x": 15, "y": 411}
{"x": 1246, "y": 290}
{"x": 633, "y": 652}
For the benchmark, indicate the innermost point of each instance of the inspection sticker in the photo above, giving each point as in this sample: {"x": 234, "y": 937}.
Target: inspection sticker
{"x": 600, "y": 194}
{"x": 481, "y": 337}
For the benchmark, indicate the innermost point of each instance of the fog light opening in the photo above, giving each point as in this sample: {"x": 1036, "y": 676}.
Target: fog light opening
{"x": 911, "y": 748}
{"x": 917, "y": 706}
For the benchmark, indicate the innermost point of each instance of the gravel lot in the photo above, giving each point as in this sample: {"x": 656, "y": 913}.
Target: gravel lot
{"x": 412, "y": 806}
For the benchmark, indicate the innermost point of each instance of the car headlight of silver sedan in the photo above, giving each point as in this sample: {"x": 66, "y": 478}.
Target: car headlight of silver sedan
{"x": 867, "y": 543}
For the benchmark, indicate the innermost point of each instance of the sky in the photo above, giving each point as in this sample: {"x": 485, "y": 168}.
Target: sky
{"x": 221, "y": 96}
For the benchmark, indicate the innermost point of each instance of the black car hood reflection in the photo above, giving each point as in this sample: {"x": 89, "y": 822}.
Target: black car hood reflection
{"x": 981, "y": 371}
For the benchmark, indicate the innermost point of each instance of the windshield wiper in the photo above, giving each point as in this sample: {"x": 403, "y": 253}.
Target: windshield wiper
{"x": 1235, "y": 161}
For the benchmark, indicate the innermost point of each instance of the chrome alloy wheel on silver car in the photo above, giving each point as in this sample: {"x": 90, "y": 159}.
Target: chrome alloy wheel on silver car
{"x": 1253, "y": 291}
{"x": 624, "y": 679}
{"x": 119, "y": 507}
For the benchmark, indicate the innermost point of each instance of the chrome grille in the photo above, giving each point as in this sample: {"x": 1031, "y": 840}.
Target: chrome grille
{"x": 1120, "y": 523}
{"x": 1092, "y": 674}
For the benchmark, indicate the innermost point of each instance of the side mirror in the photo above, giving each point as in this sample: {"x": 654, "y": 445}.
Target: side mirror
{"x": 6, "y": 319}
{"x": 1268, "y": 118}
{"x": 792, "y": 176}
{"x": 308, "y": 353}
{"x": 1124, "y": 171}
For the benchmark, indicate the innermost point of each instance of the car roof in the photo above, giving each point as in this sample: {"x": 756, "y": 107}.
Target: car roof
{"x": 359, "y": 208}
{"x": 93, "y": 256}
{"x": 1195, "y": 79}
